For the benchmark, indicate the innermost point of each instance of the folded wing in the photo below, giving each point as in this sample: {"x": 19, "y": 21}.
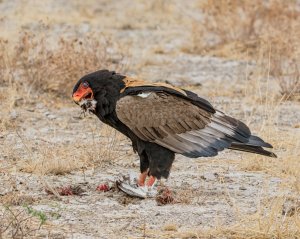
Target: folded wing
{"x": 180, "y": 125}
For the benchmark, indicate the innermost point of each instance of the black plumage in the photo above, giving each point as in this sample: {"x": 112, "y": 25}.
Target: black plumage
{"x": 162, "y": 120}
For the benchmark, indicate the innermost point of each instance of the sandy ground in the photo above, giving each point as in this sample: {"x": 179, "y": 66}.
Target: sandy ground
{"x": 211, "y": 192}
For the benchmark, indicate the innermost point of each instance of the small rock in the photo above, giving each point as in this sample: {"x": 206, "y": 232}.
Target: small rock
{"x": 40, "y": 106}
{"x": 51, "y": 117}
{"x": 209, "y": 176}
{"x": 13, "y": 114}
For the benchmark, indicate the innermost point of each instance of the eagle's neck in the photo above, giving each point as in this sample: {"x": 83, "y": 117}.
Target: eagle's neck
{"x": 107, "y": 95}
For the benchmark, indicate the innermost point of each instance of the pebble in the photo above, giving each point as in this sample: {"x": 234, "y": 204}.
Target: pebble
{"x": 209, "y": 176}
{"x": 13, "y": 114}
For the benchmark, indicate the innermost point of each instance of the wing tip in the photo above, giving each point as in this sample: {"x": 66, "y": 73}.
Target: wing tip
{"x": 252, "y": 149}
{"x": 257, "y": 141}
{"x": 273, "y": 155}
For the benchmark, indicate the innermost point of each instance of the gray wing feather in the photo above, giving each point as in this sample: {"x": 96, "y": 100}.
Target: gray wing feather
{"x": 180, "y": 126}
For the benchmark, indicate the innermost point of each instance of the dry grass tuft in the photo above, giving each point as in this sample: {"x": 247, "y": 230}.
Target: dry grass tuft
{"x": 108, "y": 146}
{"x": 251, "y": 30}
{"x": 267, "y": 223}
{"x": 56, "y": 69}
{"x": 43, "y": 64}
{"x": 9, "y": 98}
{"x": 60, "y": 159}
{"x": 16, "y": 199}
{"x": 24, "y": 222}
{"x": 44, "y": 68}
{"x": 170, "y": 227}
{"x": 47, "y": 64}
{"x": 9, "y": 89}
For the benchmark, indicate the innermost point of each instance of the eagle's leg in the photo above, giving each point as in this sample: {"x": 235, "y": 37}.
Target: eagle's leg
{"x": 155, "y": 162}
{"x": 142, "y": 178}
{"x": 160, "y": 161}
{"x": 151, "y": 181}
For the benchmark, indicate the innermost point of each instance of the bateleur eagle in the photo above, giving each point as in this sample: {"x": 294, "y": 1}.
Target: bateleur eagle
{"x": 162, "y": 120}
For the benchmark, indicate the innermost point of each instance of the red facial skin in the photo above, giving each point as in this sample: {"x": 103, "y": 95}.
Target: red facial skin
{"x": 82, "y": 92}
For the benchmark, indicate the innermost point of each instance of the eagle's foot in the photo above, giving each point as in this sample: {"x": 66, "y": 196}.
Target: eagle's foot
{"x": 130, "y": 185}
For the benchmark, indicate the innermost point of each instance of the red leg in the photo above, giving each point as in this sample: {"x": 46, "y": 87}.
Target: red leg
{"x": 151, "y": 181}
{"x": 142, "y": 178}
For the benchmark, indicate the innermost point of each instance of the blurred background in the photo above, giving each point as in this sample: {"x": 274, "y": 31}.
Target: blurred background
{"x": 243, "y": 56}
{"x": 69, "y": 38}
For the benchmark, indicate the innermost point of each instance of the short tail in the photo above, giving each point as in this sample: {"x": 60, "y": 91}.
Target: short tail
{"x": 254, "y": 145}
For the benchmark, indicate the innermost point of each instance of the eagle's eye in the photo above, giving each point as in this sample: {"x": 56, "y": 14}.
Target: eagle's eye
{"x": 85, "y": 85}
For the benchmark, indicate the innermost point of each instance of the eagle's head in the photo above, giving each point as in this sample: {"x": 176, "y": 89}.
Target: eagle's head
{"x": 92, "y": 88}
{"x": 83, "y": 95}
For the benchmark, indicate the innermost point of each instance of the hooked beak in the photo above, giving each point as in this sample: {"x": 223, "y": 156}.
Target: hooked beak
{"x": 82, "y": 93}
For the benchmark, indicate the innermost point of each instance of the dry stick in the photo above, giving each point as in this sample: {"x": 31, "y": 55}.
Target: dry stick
{"x": 292, "y": 91}
{"x": 15, "y": 218}
{"x": 26, "y": 220}
{"x": 27, "y": 148}
{"x": 37, "y": 229}
{"x": 22, "y": 140}
{"x": 5, "y": 229}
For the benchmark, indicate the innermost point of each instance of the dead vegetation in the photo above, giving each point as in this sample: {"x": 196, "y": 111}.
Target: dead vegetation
{"x": 55, "y": 70}
{"x": 45, "y": 157}
{"x": 14, "y": 198}
{"x": 25, "y": 222}
{"x": 43, "y": 69}
{"x": 53, "y": 65}
{"x": 255, "y": 30}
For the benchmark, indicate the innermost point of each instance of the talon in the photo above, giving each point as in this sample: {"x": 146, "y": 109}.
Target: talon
{"x": 142, "y": 178}
{"x": 151, "y": 181}
{"x": 138, "y": 189}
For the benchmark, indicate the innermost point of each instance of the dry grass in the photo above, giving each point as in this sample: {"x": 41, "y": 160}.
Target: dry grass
{"x": 30, "y": 69}
{"x": 56, "y": 70}
{"x": 251, "y": 30}
{"x": 264, "y": 101}
{"x": 43, "y": 64}
{"x": 8, "y": 97}
{"x": 9, "y": 89}
{"x": 32, "y": 72}
{"x": 44, "y": 69}
{"x": 62, "y": 158}
{"x": 25, "y": 222}
{"x": 16, "y": 199}
{"x": 270, "y": 221}
{"x": 267, "y": 33}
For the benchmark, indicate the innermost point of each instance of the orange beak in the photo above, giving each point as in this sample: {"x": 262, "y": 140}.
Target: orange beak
{"x": 82, "y": 93}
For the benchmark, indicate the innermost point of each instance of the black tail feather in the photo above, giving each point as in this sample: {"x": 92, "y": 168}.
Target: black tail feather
{"x": 252, "y": 149}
